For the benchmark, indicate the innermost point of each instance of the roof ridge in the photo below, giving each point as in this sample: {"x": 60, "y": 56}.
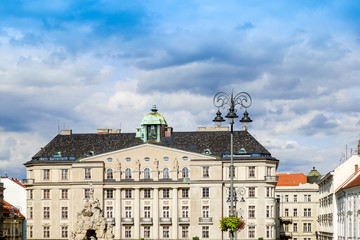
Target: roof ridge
{"x": 347, "y": 181}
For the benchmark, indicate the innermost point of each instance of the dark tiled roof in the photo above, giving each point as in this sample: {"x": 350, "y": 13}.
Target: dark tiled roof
{"x": 79, "y": 145}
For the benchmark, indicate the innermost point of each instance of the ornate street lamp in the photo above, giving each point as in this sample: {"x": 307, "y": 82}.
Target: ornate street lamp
{"x": 221, "y": 99}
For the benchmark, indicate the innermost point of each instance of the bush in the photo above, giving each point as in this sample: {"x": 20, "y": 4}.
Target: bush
{"x": 196, "y": 238}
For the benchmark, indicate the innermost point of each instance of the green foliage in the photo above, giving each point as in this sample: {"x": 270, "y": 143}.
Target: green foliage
{"x": 260, "y": 238}
{"x": 196, "y": 238}
{"x": 232, "y": 224}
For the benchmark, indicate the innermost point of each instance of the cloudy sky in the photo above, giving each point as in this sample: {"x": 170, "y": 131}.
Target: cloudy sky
{"x": 103, "y": 64}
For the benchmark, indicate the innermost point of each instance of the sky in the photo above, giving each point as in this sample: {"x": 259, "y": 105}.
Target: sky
{"x": 84, "y": 65}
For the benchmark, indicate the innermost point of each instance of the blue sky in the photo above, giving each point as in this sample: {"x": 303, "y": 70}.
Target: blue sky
{"x": 85, "y": 65}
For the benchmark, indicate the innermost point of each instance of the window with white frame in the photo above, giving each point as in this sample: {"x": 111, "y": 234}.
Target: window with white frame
{"x": 31, "y": 193}
{"x": 286, "y": 198}
{"x": 128, "y": 193}
{"x": 109, "y": 193}
{"x": 251, "y": 211}
{"x": 109, "y": 174}
{"x": 127, "y": 231}
{"x": 295, "y": 227}
{"x": 87, "y": 193}
{"x": 251, "y": 231}
{"x": 268, "y": 192}
{"x": 205, "y": 232}
{"x": 184, "y": 231}
{"x": 307, "y": 198}
{"x": 205, "y": 192}
{"x": 30, "y": 231}
{"x": 307, "y": 227}
{"x": 87, "y": 173}
{"x": 64, "y": 232}
{"x": 251, "y": 192}
{"x": 166, "y": 173}
{"x": 166, "y": 211}
{"x": 64, "y": 212}
{"x": 166, "y": 232}
{"x": 307, "y": 212}
{"x": 286, "y": 212}
{"x": 128, "y": 173}
{"x": 146, "y": 231}
{"x": 147, "y": 173}
{"x": 166, "y": 193}
{"x": 206, "y": 171}
{"x": 269, "y": 171}
{"x": 251, "y": 171}
{"x": 46, "y": 212}
{"x": 185, "y": 193}
{"x": 147, "y": 193}
{"x": 46, "y": 231}
{"x": 64, "y": 174}
{"x": 128, "y": 212}
{"x": 64, "y": 193}
{"x": 147, "y": 212}
{"x": 295, "y": 198}
{"x": 185, "y": 172}
{"x": 46, "y": 194}
{"x": 109, "y": 212}
{"x": 185, "y": 211}
{"x": 31, "y": 213}
{"x": 205, "y": 211}
{"x": 268, "y": 231}
{"x": 295, "y": 212}
{"x": 267, "y": 211}
{"x": 46, "y": 174}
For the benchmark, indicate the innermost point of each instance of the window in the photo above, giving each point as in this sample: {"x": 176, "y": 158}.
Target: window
{"x": 165, "y": 173}
{"x": 307, "y": 198}
{"x": 128, "y": 212}
{"x": 46, "y": 231}
{"x": 109, "y": 193}
{"x": 46, "y": 174}
{"x": 87, "y": 193}
{"x": 64, "y": 212}
{"x": 147, "y": 193}
{"x": 295, "y": 227}
{"x": 166, "y": 211}
{"x": 251, "y": 211}
{"x": 251, "y": 232}
{"x": 205, "y": 192}
{"x": 46, "y": 194}
{"x": 146, "y": 232}
{"x": 268, "y": 231}
{"x": 233, "y": 171}
{"x": 147, "y": 159}
{"x": 166, "y": 232}
{"x": 128, "y": 173}
{"x": 128, "y": 159}
{"x": 185, "y": 211}
{"x": 46, "y": 212}
{"x": 286, "y": 198}
{"x": 185, "y": 172}
{"x": 109, "y": 174}
{"x": 307, "y": 212}
{"x": 307, "y": 227}
{"x": 128, "y": 193}
{"x": 184, "y": 231}
{"x": 295, "y": 212}
{"x": 64, "y": 174}
{"x": 31, "y": 212}
{"x": 64, "y": 193}
{"x": 205, "y": 171}
{"x": 251, "y": 192}
{"x": 147, "y": 173}
{"x": 64, "y": 232}
{"x": 286, "y": 212}
{"x": 87, "y": 173}
{"x": 31, "y": 194}
{"x": 205, "y": 211}
{"x": 109, "y": 159}
{"x": 286, "y": 227}
{"x": 252, "y": 171}
{"x": 205, "y": 231}
{"x": 185, "y": 158}
{"x": 267, "y": 211}
{"x": 166, "y": 193}
{"x": 268, "y": 190}
{"x": 109, "y": 212}
{"x": 147, "y": 211}
{"x": 185, "y": 193}
{"x": 166, "y": 159}
{"x": 128, "y": 232}
{"x": 268, "y": 171}
{"x": 30, "y": 231}
{"x": 295, "y": 198}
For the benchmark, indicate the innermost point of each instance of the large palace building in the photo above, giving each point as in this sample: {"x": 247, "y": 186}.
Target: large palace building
{"x": 151, "y": 184}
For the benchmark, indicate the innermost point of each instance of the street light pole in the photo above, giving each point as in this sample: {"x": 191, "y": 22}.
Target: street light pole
{"x": 221, "y": 99}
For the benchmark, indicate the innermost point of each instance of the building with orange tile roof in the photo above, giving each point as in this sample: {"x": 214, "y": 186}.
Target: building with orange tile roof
{"x": 13, "y": 221}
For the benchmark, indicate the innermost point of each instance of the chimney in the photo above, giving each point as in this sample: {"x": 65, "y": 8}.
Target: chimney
{"x": 65, "y": 132}
{"x": 168, "y": 131}
{"x": 356, "y": 167}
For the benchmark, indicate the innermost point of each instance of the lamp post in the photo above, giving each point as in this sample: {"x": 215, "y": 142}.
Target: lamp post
{"x": 222, "y": 99}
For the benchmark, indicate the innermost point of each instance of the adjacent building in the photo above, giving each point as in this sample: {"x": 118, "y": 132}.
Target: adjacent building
{"x": 1, "y": 209}
{"x": 297, "y": 202}
{"x": 153, "y": 184}
{"x": 12, "y": 222}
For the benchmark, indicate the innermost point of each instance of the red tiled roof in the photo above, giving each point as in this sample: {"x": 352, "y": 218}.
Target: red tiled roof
{"x": 291, "y": 179}
{"x": 15, "y": 180}
{"x": 355, "y": 182}
{"x": 7, "y": 209}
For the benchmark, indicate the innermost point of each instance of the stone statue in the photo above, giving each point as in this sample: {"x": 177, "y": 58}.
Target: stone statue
{"x": 156, "y": 163}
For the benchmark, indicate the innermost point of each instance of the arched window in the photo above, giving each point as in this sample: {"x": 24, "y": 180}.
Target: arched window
{"x": 147, "y": 173}
{"x": 165, "y": 173}
{"x": 109, "y": 173}
{"x": 128, "y": 173}
{"x": 185, "y": 172}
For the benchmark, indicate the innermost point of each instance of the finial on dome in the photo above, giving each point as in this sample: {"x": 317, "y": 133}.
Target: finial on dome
{"x": 154, "y": 108}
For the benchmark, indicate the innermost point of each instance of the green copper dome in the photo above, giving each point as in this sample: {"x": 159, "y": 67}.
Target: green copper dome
{"x": 154, "y": 118}
{"x": 313, "y": 173}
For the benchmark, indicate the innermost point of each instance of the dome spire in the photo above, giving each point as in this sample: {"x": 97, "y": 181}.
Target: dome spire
{"x": 154, "y": 108}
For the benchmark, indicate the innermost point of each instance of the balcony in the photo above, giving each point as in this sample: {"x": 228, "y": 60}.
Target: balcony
{"x": 183, "y": 220}
{"x": 286, "y": 219}
{"x": 271, "y": 178}
{"x": 129, "y": 221}
{"x": 146, "y": 221}
{"x": 28, "y": 181}
{"x": 205, "y": 220}
{"x": 164, "y": 220}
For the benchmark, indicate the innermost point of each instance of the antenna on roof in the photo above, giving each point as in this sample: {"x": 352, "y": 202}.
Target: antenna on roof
{"x": 58, "y": 126}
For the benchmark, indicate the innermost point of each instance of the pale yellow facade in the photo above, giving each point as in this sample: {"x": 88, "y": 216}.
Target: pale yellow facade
{"x": 152, "y": 192}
